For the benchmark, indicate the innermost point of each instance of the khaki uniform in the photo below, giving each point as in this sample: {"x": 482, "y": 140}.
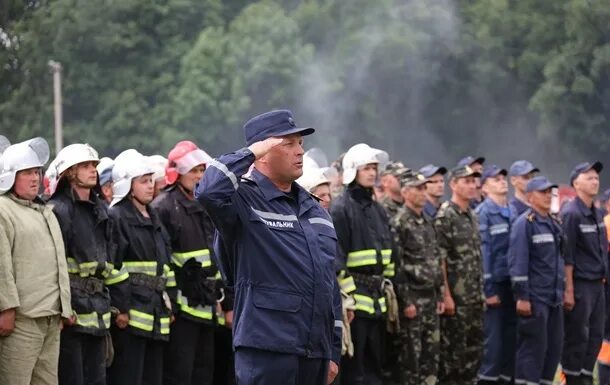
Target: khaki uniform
{"x": 34, "y": 280}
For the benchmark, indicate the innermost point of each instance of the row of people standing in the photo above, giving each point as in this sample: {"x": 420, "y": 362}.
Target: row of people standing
{"x": 145, "y": 296}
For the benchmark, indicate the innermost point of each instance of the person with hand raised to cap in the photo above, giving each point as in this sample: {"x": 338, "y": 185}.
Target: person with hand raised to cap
{"x": 365, "y": 252}
{"x": 278, "y": 252}
{"x": 586, "y": 260}
{"x": 457, "y": 231}
{"x": 189, "y": 357}
{"x": 435, "y": 188}
{"x": 536, "y": 269}
{"x": 520, "y": 172}
{"x": 90, "y": 251}
{"x": 419, "y": 282}
{"x": 500, "y": 319}
{"x": 34, "y": 283}
{"x": 143, "y": 250}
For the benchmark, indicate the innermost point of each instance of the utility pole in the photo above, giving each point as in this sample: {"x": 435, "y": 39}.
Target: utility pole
{"x": 56, "y": 69}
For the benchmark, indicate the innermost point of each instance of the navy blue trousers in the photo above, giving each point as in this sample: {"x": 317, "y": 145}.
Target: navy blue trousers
{"x": 261, "y": 367}
{"x": 539, "y": 344}
{"x": 584, "y": 329}
{"x": 500, "y": 325}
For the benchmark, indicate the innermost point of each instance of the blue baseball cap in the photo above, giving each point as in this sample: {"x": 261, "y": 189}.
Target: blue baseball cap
{"x": 584, "y": 167}
{"x": 522, "y": 167}
{"x": 539, "y": 183}
{"x": 273, "y": 123}
{"x": 430, "y": 170}
{"x": 492, "y": 171}
{"x": 469, "y": 160}
{"x": 605, "y": 196}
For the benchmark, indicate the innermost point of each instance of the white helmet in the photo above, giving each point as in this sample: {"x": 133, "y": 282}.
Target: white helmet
{"x": 32, "y": 153}
{"x": 52, "y": 178}
{"x": 4, "y": 143}
{"x": 159, "y": 162}
{"x": 314, "y": 177}
{"x": 128, "y": 165}
{"x": 359, "y": 156}
{"x": 104, "y": 164}
{"x": 74, "y": 154}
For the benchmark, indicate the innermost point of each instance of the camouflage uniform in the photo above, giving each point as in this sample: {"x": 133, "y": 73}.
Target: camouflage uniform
{"x": 390, "y": 206}
{"x": 419, "y": 281}
{"x": 461, "y": 334}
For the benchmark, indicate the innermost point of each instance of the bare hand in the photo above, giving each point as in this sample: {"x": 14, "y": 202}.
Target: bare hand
{"x": 568, "y": 299}
{"x": 229, "y": 319}
{"x": 350, "y": 316}
{"x": 440, "y": 308}
{"x": 449, "y": 305}
{"x": 122, "y": 320}
{"x": 410, "y": 311}
{"x": 524, "y": 308}
{"x": 67, "y": 322}
{"x": 493, "y": 301}
{"x": 333, "y": 370}
{"x": 261, "y": 148}
{"x": 7, "y": 322}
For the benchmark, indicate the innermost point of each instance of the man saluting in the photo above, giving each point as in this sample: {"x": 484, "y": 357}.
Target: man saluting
{"x": 278, "y": 253}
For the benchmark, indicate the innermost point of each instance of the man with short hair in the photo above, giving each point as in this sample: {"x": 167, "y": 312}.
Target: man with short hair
{"x": 586, "y": 264}
{"x": 500, "y": 318}
{"x": 476, "y": 163}
{"x": 278, "y": 251}
{"x": 537, "y": 273}
{"x": 392, "y": 201}
{"x": 520, "y": 172}
{"x": 457, "y": 230}
{"x": 34, "y": 284}
{"x": 435, "y": 188}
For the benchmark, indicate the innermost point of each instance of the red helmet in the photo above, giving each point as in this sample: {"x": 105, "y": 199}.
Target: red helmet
{"x": 183, "y": 158}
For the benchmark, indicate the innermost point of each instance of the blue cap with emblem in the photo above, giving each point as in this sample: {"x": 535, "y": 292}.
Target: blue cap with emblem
{"x": 539, "y": 183}
{"x": 470, "y": 160}
{"x": 273, "y": 124}
{"x": 521, "y": 168}
{"x": 584, "y": 167}
{"x": 492, "y": 171}
{"x": 430, "y": 170}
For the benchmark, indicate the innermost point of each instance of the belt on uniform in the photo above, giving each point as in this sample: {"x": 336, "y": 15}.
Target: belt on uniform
{"x": 90, "y": 285}
{"x": 372, "y": 282}
{"x": 149, "y": 281}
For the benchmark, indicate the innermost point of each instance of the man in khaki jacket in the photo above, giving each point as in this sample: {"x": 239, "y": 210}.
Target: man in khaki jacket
{"x": 34, "y": 284}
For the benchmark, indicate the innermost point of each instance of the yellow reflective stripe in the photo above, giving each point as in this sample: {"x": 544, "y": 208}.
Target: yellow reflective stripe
{"x": 362, "y": 258}
{"x": 164, "y": 321}
{"x": 141, "y": 267}
{"x": 364, "y": 303}
{"x": 87, "y": 268}
{"x": 140, "y": 320}
{"x": 386, "y": 256}
{"x": 202, "y": 256}
{"x": 72, "y": 266}
{"x": 347, "y": 284}
{"x": 170, "y": 275}
{"x": 221, "y": 319}
{"x": 108, "y": 268}
{"x": 88, "y": 320}
{"x": 389, "y": 270}
{"x": 106, "y": 318}
{"x": 204, "y": 312}
{"x": 117, "y": 276}
{"x": 218, "y": 275}
{"x": 382, "y": 305}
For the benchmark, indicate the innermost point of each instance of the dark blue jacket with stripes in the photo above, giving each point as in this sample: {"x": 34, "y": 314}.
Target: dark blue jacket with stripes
{"x": 279, "y": 251}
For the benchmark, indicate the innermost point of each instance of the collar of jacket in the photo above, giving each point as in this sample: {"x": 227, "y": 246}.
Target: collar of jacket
{"x": 191, "y": 205}
{"x": 458, "y": 209}
{"x": 130, "y": 213}
{"x": 359, "y": 193}
{"x": 270, "y": 191}
{"x": 586, "y": 211}
{"x": 495, "y": 208}
{"x": 36, "y": 204}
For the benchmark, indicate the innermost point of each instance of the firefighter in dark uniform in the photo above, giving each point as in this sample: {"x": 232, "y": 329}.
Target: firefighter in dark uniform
{"x": 86, "y": 232}
{"x": 275, "y": 245}
{"x": 144, "y": 251}
{"x": 586, "y": 263}
{"x": 189, "y": 357}
{"x": 520, "y": 172}
{"x": 537, "y": 274}
{"x": 365, "y": 250}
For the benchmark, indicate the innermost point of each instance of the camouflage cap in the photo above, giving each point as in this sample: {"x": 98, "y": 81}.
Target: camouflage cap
{"x": 413, "y": 179}
{"x": 397, "y": 169}
{"x": 463, "y": 172}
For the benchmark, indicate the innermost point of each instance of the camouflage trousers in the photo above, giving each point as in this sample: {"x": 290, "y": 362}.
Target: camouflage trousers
{"x": 420, "y": 344}
{"x": 461, "y": 345}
